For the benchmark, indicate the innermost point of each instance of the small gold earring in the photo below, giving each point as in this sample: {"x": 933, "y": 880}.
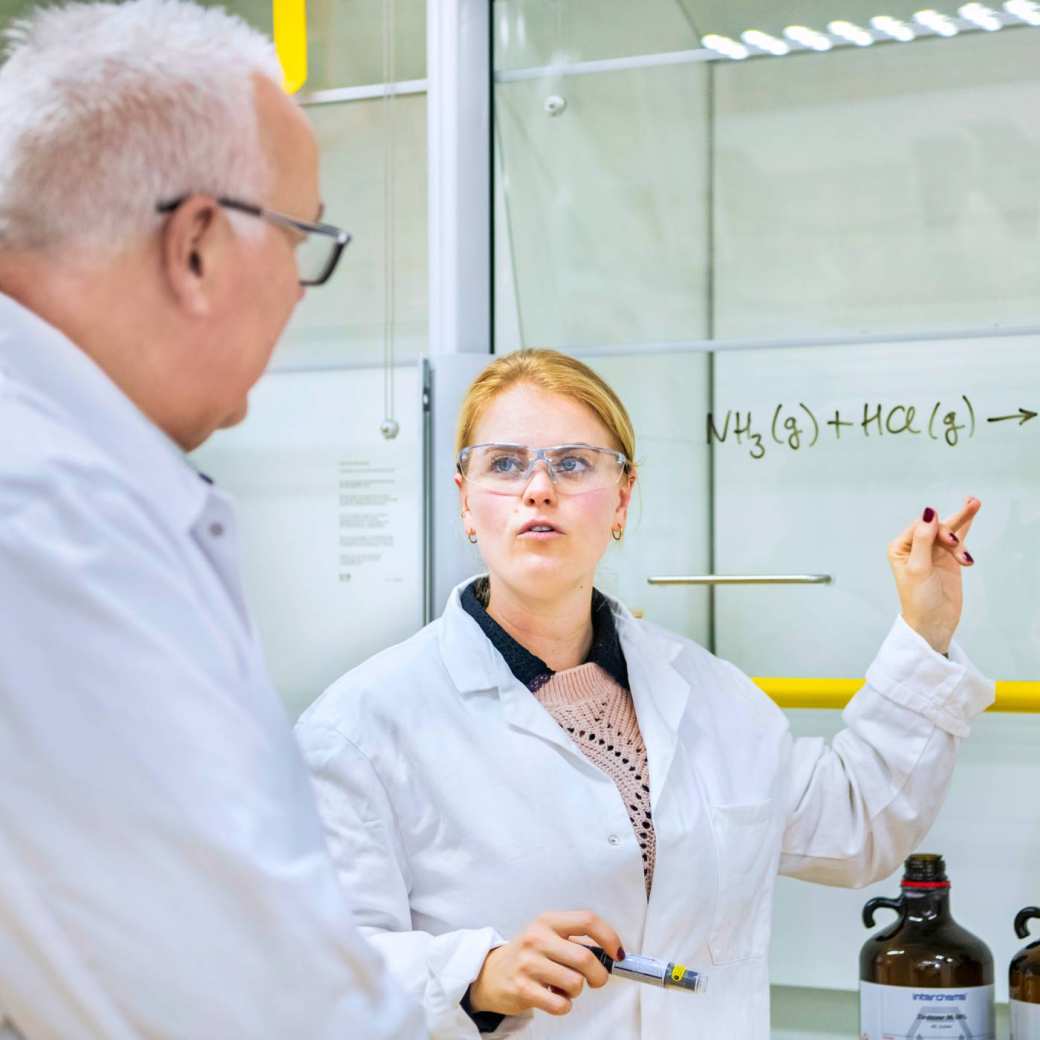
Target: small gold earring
{"x": 617, "y": 533}
{"x": 472, "y": 537}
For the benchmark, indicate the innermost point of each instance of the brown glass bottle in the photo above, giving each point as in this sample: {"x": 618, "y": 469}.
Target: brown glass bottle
{"x": 924, "y": 975}
{"x": 1024, "y": 981}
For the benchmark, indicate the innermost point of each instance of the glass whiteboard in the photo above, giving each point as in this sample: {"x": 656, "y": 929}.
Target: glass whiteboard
{"x": 798, "y": 491}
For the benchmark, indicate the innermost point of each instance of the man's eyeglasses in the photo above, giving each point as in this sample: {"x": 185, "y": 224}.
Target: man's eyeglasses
{"x": 318, "y": 250}
{"x": 573, "y": 468}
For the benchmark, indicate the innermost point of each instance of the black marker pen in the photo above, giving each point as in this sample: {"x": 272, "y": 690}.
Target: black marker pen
{"x": 666, "y": 974}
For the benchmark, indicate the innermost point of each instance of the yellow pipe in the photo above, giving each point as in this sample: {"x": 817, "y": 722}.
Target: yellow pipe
{"x": 836, "y": 693}
{"x": 290, "y": 40}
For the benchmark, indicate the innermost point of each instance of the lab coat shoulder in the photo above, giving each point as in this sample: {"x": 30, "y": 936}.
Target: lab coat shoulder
{"x": 64, "y": 504}
{"x": 377, "y": 701}
{"x": 377, "y": 728}
{"x": 44, "y": 459}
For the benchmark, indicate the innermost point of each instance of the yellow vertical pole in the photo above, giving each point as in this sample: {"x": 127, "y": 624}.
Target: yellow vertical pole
{"x": 290, "y": 40}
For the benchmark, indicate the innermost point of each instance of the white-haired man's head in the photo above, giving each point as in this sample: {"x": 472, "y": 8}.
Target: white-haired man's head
{"x": 108, "y": 110}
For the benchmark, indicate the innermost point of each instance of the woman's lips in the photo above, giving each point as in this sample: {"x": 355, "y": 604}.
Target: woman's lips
{"x": 539, "y": 532}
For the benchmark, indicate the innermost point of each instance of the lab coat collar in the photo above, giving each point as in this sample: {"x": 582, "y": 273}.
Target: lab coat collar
{"x": 476, "y": 666}
{"x": 471, "y": 660}
{"x": 39, "y": 355}
{"x": 660, "y": 692}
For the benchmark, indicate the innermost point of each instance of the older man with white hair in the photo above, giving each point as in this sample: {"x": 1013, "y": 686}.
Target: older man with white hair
{"x": 162, "y": 868}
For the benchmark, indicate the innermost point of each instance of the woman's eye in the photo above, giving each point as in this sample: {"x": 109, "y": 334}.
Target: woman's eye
{"x": 504, "y": 464}
{"x": 572, "y": 464}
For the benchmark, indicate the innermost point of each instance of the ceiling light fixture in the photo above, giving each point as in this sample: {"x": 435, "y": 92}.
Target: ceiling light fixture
{"x": 892, "y": 27}
{"x": 764, "y": 42}
{"x": 937, "y": 23}
{"x": 808, "y": 38}
{"x": 1025, "y": 10}
{"x": 725, "y": 46}
{"x": 982, "y": 16}
{"x": 851, "y": 32}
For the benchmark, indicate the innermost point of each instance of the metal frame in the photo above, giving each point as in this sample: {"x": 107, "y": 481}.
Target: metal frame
{"x": 741, "y": 579}
{"x": 368, "y": 92}
{"x": 458, "y": 70}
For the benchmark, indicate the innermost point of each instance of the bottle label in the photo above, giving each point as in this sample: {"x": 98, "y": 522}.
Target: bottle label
{"x": 1025, "y": 1020}
{"x": 902, "y": 1012}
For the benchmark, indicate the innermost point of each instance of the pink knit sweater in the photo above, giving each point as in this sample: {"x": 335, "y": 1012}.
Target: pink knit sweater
{"x": 601, "y": 719}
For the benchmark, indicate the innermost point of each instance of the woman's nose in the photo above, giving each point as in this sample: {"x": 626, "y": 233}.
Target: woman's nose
{"x": 540, "y": 487}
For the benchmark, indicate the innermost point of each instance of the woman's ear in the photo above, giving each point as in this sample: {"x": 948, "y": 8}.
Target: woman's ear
{"x": 625, "y": 496}
{"x": 463, "y": 498}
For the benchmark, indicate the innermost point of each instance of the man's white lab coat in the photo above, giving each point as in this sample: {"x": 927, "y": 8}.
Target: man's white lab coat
{"x": 162, "y": 868}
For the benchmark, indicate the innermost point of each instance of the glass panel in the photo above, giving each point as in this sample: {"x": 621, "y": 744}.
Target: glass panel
{"x": 606, "y": 240}
{"x": 832, "y": 508}
{"x": 543, "y": 32}
{"x": 345, "y": 38}
{"x": 343, "y": 321}
{"x": 883, "y": 189}
{"x": 345, "y": 42}
{"x": 886, "y": 189}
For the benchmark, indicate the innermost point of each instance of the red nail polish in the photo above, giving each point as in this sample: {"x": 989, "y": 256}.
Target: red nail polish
{"x": 968, "y": 556}
{"x": 956, "y": 540}
{"x": 929, "y": 515}
{"x": 620, "y": 953}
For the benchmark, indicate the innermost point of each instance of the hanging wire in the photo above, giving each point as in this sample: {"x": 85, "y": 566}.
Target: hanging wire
{"x": 390, "y": 426}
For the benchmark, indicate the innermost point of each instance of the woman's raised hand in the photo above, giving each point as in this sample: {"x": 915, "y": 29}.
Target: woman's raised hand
{"x": 543, "y": 967}
{"x": 927, "y": 559}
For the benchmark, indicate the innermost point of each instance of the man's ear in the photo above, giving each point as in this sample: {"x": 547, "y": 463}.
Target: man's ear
{"x": 190, "y": 252}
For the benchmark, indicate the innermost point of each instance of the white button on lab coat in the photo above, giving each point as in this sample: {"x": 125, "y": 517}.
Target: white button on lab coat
{"x": 457, "y": 810}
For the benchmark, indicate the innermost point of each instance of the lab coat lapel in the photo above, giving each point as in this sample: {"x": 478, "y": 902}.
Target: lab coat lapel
{"x": 660, "y": 694}
{"x": 523, "y": 711}
{"x": 475, "y": 665}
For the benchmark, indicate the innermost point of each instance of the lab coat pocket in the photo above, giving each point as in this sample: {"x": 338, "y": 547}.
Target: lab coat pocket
{"x": 744, "y": 841}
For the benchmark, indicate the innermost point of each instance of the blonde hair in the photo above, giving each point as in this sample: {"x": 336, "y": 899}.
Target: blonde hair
{"x": 555, "y": 373}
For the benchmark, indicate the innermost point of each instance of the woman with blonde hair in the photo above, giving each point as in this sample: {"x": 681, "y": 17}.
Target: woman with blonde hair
{"x": 537, "y": 770}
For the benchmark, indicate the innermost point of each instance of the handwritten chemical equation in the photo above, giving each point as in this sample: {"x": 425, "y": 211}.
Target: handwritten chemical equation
{"x": 796, "y": 427}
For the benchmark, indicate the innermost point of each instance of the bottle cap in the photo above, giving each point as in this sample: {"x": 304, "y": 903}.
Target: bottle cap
{"x": 925, "y": 870}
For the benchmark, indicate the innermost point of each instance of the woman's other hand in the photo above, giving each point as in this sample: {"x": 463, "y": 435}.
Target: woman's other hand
{"x": 926, "y": 560}
{"x": 543, "y": 967}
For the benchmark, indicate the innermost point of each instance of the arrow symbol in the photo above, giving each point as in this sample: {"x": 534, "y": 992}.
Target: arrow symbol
{"x": 1023, "y": 415}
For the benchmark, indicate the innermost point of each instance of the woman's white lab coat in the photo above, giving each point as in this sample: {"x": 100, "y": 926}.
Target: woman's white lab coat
{"x": 457, "y": 810}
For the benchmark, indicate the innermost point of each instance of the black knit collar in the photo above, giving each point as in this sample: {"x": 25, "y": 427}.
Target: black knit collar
{"x": 532, "y": 671}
